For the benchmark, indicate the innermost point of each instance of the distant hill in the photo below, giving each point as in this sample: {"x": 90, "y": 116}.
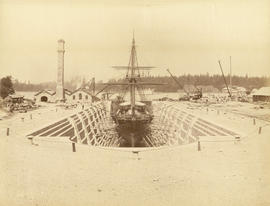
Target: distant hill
{"x": 208, "y": 82}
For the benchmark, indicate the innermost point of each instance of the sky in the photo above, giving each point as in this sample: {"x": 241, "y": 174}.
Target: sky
{"x": 188, "y": 37}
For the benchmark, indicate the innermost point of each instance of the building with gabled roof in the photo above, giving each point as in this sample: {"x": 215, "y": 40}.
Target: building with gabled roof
{"x": 45, "y": 95}
{"x": 262, "y": 94}
{"x": 82, "y": 95}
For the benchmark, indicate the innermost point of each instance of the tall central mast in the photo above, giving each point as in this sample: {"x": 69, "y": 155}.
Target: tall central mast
{"x": 132, "y": 79}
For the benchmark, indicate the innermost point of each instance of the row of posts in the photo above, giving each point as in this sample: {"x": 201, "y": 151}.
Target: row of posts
{"x": 237, "y": 138}
{"x": 22, "y": 119}
{"x": 31, "y": 117}
{"x": 31, "y": 139}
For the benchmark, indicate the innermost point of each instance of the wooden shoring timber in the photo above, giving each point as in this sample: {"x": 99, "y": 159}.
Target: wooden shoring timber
{"x": 105, "y": 140}
{"x": 154, "y": 137}
{"x": 82, "y": 117}
{"x": 96, "y": 113}
{"x": 147, "y": 144}
{"x": 101, "y": 126}
{"x": 173, "y": 133}
{"x": 162, "y": 113}
{"x": 115, "y": 142}
{"x": 76, "y": 131}
{"x": 67, "y": 128}
{"x": 203, "y": 130}
{"x": 93, "y": 135}
{"x": 212, "y": 128}
{"x": 191, "y": 125}
{"x": 110, "y": 141}
{"x": 170, "y": 138}
{"x": 161, "y": 139}
{"x": 171, "y": 114}
{"x": 42, "y": 133}
{"x": 182, "y": 127}
{"x": 102, "y": 141}
{"x": 93, "y": 127}
{"x": 148, "y": 141}
{"x": 177, "y": 134}
{"x": 88, "y": 114}
{"x": 105, "y": 121}
{"x": 96, "y": 120}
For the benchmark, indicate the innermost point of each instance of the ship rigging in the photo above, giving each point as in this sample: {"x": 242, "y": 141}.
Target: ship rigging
{"x": 132, "y": 111}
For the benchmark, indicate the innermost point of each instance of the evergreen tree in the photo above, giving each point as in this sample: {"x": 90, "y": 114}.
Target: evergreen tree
{"x": 6, "y": 87}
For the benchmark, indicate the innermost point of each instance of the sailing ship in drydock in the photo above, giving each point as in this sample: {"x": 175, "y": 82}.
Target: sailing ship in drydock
{"x": 134, "y": 115}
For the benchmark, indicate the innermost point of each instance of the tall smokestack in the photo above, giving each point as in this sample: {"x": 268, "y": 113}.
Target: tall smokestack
{"x": 60, "y": 94}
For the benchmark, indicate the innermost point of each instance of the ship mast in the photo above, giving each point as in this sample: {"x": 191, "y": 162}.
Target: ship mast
{"x": 132, "y": 78}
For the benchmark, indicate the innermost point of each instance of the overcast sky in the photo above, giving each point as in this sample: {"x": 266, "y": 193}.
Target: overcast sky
{"x": 184, "y": 36}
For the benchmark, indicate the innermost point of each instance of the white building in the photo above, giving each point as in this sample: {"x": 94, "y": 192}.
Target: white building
{"x": 81, "y": 96}
{"x": 262, "y": 94}
{"x": 45, "y": 96}
{"x": 78, "y": 96}
{"x": 235, "y": 91}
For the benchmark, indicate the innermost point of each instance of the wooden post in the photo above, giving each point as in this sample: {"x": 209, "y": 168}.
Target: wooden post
{"x": 73, "y": 147}
{"x": 31, "y": 140}
{"x": 254, "y": 121}
{"x": 237, "y": 139}
{"x": 7, "y": 131}
{"x": 30, "y": 116}
{"x": 260, "y": 130}
{"x": 199, "y": 145}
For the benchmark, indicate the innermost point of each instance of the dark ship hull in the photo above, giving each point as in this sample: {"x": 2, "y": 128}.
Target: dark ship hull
{"x": 132, "y": 133}
{"x": 132, "y": 128}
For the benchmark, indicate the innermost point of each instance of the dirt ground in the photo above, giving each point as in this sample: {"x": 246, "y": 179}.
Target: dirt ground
{"x": 50, "y": 174}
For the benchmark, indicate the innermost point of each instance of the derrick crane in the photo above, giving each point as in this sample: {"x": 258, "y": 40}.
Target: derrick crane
{"x": 177, "y": 82}
{"x": 224, "y": 78}
{"x": 198, "y": 93}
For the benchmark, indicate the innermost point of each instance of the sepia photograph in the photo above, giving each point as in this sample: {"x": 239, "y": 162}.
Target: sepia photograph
{"x": 134, "y": 103}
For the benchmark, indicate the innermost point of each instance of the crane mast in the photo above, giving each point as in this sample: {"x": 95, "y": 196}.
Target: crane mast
{"x": 177, "y": 82}
{"x": 224, "y": 78}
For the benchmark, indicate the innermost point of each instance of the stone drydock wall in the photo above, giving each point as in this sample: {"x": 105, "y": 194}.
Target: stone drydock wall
{"x": 91, "y": 126}
{"x": 174, "y": 125}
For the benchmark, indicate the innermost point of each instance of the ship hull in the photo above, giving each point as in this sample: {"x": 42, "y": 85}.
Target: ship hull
{"x": 132, "y": 133}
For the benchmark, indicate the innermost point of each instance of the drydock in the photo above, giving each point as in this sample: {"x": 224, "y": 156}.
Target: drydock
{"x": 173, "y": 124}
{"x": 230, "y": 166}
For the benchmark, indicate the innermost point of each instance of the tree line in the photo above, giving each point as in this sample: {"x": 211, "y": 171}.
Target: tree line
{"x": 8, "y": 85}
{"x": 217, "y": 81}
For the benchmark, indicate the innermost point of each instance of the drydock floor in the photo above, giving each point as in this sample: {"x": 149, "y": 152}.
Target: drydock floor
{"x": 48, "y": 174}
